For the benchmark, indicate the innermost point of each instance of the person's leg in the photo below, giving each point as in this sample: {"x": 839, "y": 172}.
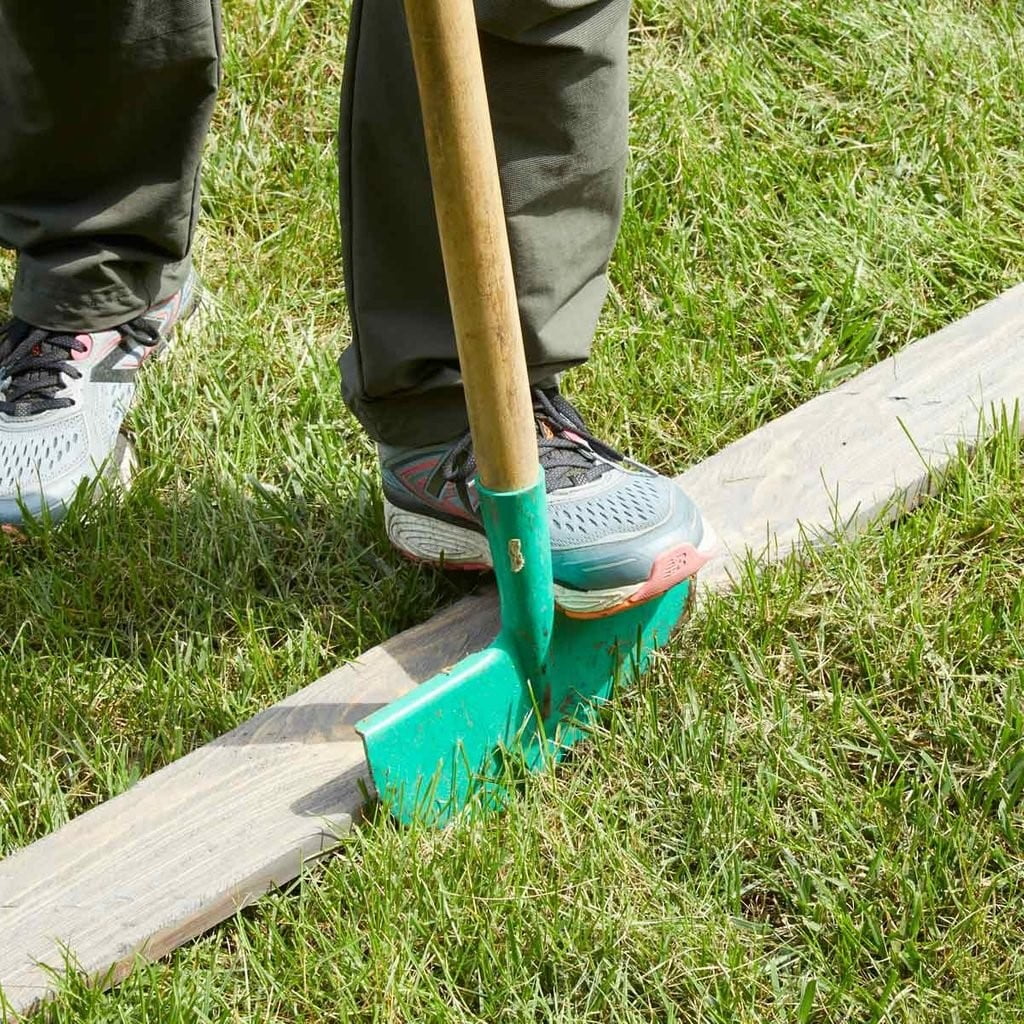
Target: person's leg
{"x": 103, "y": 111}
{"x": 557, "y": 84}
{"x": 556, "y": 73}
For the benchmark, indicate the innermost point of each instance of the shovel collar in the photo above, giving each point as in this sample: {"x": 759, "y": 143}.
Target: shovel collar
{"x": 516, "y": 523}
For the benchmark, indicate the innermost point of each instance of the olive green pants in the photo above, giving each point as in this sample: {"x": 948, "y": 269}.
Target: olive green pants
{"x": 103, "y": 112}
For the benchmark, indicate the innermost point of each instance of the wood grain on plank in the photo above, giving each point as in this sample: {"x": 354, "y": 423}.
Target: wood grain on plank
{"x": 191, "y": 844}
{"x": 867, "y": 450}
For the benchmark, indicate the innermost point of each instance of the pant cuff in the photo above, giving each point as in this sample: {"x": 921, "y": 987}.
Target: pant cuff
{"x": 429, "y": 417}
{"x": 57, "y": 302}
{"x": 426, "y": 417}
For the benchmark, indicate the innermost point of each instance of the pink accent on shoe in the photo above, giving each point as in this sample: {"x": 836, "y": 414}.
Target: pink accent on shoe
{"x": 108, "y": 347}
{"x": 450, "y": 501}
{"x": 146, "y": 354}
{"x": 86, "y": 340}
{"x": 418, "y": 475}
{"x": 669, "y": 569}
{"x": 166, "y": 312}
{"x": 418, "y": 469}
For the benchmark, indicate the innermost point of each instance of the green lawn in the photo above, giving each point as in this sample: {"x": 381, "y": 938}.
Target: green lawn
{"x": 811, "y": 810}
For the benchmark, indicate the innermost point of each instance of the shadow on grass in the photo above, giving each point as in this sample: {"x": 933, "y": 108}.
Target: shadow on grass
{"x": 154, "y": 622}
{"x": 125, "y": 577}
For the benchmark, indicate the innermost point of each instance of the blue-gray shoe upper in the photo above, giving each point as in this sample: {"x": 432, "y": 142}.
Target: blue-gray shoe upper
{"x": 611, "y": 519}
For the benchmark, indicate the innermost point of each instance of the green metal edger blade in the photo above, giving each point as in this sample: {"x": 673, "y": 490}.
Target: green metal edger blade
{"x": 528, "y": 696}
{"x": 432, "y": 750}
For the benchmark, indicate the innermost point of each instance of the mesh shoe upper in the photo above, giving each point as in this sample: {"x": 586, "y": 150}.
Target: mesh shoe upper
{"x": 63, "y": 399}
{"x": 610, "y": 519}
{"x": 610, "y": 508}
{"x": 29, "y": 455}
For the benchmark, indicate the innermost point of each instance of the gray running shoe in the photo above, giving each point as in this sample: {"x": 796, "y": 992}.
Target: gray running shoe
{"x": 63, "y": 400}
{"x": 621, "y": 534}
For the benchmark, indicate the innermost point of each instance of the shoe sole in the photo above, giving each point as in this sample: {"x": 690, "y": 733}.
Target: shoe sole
{"x": 435, "y": 542}
{"x": 447, "y": 546}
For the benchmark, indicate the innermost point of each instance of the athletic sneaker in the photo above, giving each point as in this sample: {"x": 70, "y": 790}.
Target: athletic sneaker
{"x": 620, "y": 533}
{"x": 63, "y": 400}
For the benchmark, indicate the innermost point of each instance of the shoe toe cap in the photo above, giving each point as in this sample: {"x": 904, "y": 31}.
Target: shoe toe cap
{"x": 615, "y": 537}
{"x": 45, "y": 470}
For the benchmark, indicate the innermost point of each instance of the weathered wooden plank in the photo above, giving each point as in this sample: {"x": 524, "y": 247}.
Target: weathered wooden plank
{"x": 188, "y": 846}
{"x": 868, "y": 449}
{"x": 208, "y": 834}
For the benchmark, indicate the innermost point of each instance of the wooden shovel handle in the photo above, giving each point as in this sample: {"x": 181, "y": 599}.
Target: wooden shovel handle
{"x": 474, "y": 240}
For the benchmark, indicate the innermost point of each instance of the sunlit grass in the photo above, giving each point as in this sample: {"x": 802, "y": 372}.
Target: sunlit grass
{"x": 810, "y": 810}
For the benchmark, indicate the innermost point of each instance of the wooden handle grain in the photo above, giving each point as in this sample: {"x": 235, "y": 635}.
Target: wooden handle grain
{"x": 474, "y": 240}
